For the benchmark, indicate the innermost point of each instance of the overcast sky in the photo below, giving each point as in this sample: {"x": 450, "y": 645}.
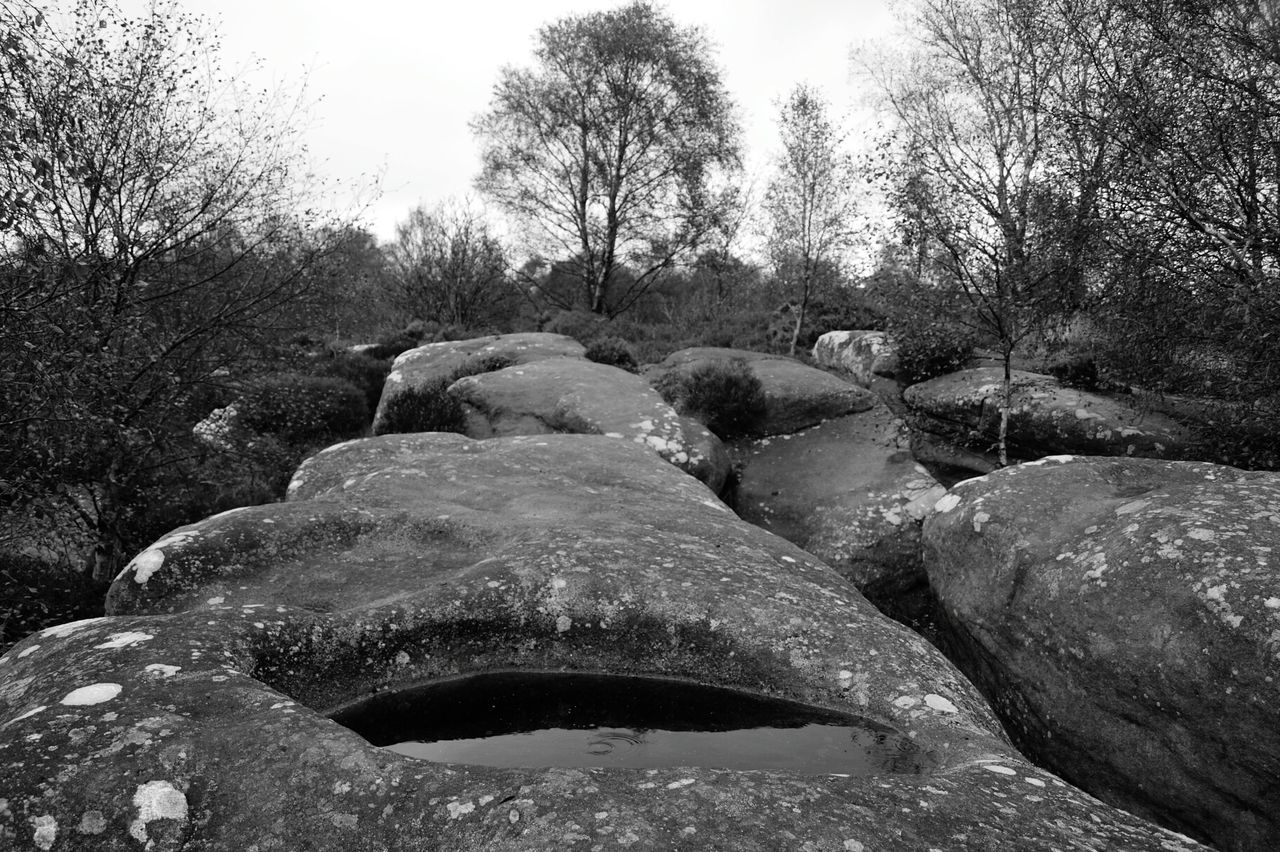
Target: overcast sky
{"x": 397, "y": 82}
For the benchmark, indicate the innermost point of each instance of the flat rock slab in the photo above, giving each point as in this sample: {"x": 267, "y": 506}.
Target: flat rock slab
{"x": 796, "y": 395}
{"x": 583, "y": 397}
{"x": 849, "y": 492}
{"x": 198, "y": 720}
{"x": 1045, "y": 417}
{"x": 864, "y": 355}
{"x": 435, "y": 361}
{"x": 1127, "y": 611}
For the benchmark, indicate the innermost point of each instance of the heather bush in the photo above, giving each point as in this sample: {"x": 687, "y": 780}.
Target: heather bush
{"x": 724, "y": 395}
{"x": 613, "y": 351}
{"x": 304, "y": 410}
{"x": 430, "y": 407}
{"x": 425, "y": 408}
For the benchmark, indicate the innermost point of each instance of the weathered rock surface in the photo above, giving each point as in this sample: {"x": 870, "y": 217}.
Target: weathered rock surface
{"x": 1045, "y": 418}
{"x": 864, "y": 355}
{"x": 583, "y": 397}
{"x": 796, "y": 395}
{"x": 407, "y": 558}
{"x": 1126, "y": 614}
{"x": 849, "y": 492}
{"x": 436, "y": 361}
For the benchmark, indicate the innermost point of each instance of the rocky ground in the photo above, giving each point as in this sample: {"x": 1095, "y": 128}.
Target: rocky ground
{"x": 1119, "y": 616}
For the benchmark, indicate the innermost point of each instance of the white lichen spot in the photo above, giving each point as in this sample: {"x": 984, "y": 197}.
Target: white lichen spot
{"x": 156, "y": 800}
{"x": 1034, "y": 782}
{"x": 980, "y": 518}
{"x": 403, "y": 659}
{"x": 123, "y": 640}
{"x": 854, "y": 846}
{"x": 456, "y": 810}
{"x": 683, "y": 782}
{"x": 96, "y": 693}
{"x": 1133, "y": 506}
{"x": 942, "y": 705}
{"x": 998, "y": 769}
{"x": 33, "y": 711}
{"x": 62, "y": 631}
{"x": 905, "y": 702}
{"x": 214, "y": 601}
{"x": 28, "y": 651}
{"x": 788, "y": 559}
{"x": 163, "y": 670}
{"x": 947, "y": 503}
{"x": 145, "y": 564}
{"x": 1272, "y": 603}
{"x": 46, "y": 831}
{"x": 1200, "y": 534}
{"x": 563, "y": 623}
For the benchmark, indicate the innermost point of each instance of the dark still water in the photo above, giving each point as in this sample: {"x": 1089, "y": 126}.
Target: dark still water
{"x": 574, "y": 720}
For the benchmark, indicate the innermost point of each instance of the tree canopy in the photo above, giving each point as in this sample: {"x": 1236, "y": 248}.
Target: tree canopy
{"x": 610, "y": 150}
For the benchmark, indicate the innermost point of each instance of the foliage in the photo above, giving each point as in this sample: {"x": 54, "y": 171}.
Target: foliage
{"x": 423, "y": 408}
{"x": 155, "y": 239}
{"x": 724, "y": 395}
{"x": 608, "y": 149}
{"x": 35, "y": 594}
{"x": 304, "y": 410}
{"x": 929, "y": 347}
{"x": 810, "y": 200}
{"x": 446, "y": 265}
{"x": 582, "y": 326}
{"x": 613, "y": 351}
{"x": 429, "y": 407}
{"x": 365, "y": 372}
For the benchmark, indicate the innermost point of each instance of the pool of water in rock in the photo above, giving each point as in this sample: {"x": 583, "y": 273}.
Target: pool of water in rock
{"x": 576, "y": 720}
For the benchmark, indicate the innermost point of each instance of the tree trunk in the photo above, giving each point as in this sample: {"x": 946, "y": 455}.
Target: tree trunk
{"x": 1006, "y": 402}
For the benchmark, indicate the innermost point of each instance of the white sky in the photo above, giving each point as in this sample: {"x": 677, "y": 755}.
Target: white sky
{"x": 397, "y": 82}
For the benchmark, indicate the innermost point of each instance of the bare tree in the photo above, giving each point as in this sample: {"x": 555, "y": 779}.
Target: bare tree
{"x": 608, "y": 150}
{"x": 810, "y": 202}
{"x": 999, "y": 181}
{"x": 446, "y": 265}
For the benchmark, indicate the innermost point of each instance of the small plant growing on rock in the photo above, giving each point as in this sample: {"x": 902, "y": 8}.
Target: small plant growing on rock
{"x": 425, "y": 408}
{"x": 613, "y": 351}
{"x": 724, "y": 395}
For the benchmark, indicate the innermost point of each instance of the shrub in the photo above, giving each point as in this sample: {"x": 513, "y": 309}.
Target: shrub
{"x": 429, "y": 407}
{"x": 613, "y": 351}
{"x": 390, "y": 345}
{"x": 301, "y": 410}
{"x": 929, "y": 347}
{"x": 366, "y": 373}
{"x": 582, "y": 326}
{"x": 724, "y": 395}
{"x": 426, "y": 408}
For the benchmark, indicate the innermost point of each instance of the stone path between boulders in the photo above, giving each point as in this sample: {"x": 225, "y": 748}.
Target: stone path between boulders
{"x": 194, "y": 716}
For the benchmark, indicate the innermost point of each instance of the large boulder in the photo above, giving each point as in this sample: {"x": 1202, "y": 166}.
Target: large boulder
{"x": 577, "y": 396}
{"x": 196, "y": 716}
{"x": 435, "y": 362}
{"x": 1125, "y": 614}
{"x": 849, "y": 492}
{"x": 1045, "y": 418}
{"x": 864, "y": 355}
{"x": 796, "y": 395}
